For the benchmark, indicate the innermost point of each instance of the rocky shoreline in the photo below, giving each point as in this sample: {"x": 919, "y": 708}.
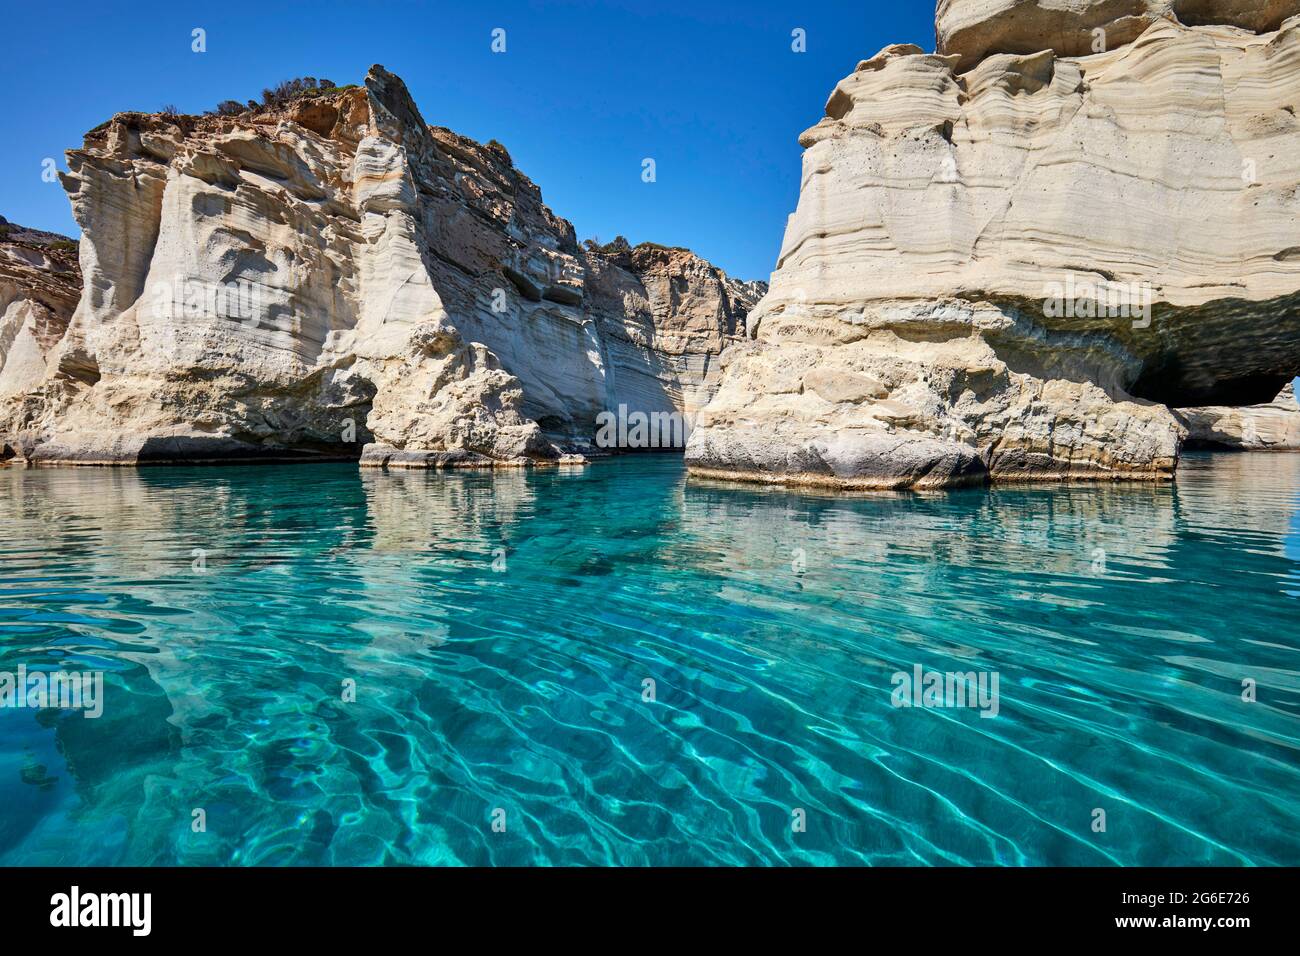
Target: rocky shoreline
{"x": 1064, "y": 246}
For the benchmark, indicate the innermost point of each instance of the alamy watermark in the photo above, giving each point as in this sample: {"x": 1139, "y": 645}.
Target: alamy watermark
{"x": 185, "y": 297}
{"x": 76, "y": 908}
{"x": 922, "y": 688}
{"x": 638, "y": 429}
{"x": 79, "y": 690}
{"x": 1083, "y": 298}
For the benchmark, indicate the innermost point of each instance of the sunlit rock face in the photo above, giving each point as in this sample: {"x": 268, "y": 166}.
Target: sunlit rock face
{"x": 1274, "y": 425}
{"x": 336, "y": 278}
{"x": 1013, "y": 271}
{"x": 40, "y": 283}
{"x": 973, "y": 29}
{"x": 665, "y": 315}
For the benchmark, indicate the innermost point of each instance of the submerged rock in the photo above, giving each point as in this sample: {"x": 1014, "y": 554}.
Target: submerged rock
{"x": 1016, "y": 269}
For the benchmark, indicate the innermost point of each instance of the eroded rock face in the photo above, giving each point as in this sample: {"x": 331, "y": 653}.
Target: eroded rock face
{"x": 335, "y": 278}
{"x": 1275, "y": 425}
{"x": 665, "y": 315}
{"x": 40, "y": 284}
{"x": 973, "y": 29}
{"x": 1013, "y": 271}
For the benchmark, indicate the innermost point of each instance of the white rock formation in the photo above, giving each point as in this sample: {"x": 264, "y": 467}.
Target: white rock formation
{"x": 39, "y": 287}
{"x": 664, "y": 317}
{"x": 333, "y": 277}
{"x": 1272, "y": 426}
{"x": 963, "y": 288}
{"x": 972, "y": 29}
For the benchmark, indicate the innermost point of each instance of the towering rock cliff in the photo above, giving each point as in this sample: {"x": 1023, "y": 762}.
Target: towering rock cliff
{"x": 333, "y": 277}
{"x": 1010, "y": 257}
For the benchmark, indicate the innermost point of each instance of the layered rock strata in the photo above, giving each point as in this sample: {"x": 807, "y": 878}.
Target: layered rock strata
{"x": 1271, "y": 426}
{"x": 333, "y": 277}
{"x": 1013, "y": 271}
{"x": 665, "y": 316}
{"x": 974, "y": 29}
{"x": 40, "y": 283}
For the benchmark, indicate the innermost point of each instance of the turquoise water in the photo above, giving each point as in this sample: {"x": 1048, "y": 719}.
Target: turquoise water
{"x": 1121, "y": 621}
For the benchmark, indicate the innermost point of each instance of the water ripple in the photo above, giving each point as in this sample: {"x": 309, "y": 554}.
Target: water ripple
{"x": 626, "y": 667}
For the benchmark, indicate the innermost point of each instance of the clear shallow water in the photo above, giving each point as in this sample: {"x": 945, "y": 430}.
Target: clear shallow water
{"x": 1120, "y": 687}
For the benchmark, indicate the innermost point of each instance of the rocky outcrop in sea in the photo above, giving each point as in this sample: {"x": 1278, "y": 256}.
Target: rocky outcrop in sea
{"x": 1064, "y": 246}
{"x": 1272, "y": 426}
{"x": 332, "y": 277}
{"x": 1012, "y": 257}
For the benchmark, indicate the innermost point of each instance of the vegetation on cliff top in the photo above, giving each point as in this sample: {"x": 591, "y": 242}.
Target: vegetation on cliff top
{"x": 283, "y": 92}
{"x": 13, "y": 232}
{"x": 496, "y": 147}
{"x": 620, "y": 244}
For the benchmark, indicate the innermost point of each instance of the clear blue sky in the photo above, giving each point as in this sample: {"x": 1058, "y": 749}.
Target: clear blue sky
{"x": 710, "y": 89}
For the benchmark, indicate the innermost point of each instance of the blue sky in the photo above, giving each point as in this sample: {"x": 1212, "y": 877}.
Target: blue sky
{"x": 710, "y": 89}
